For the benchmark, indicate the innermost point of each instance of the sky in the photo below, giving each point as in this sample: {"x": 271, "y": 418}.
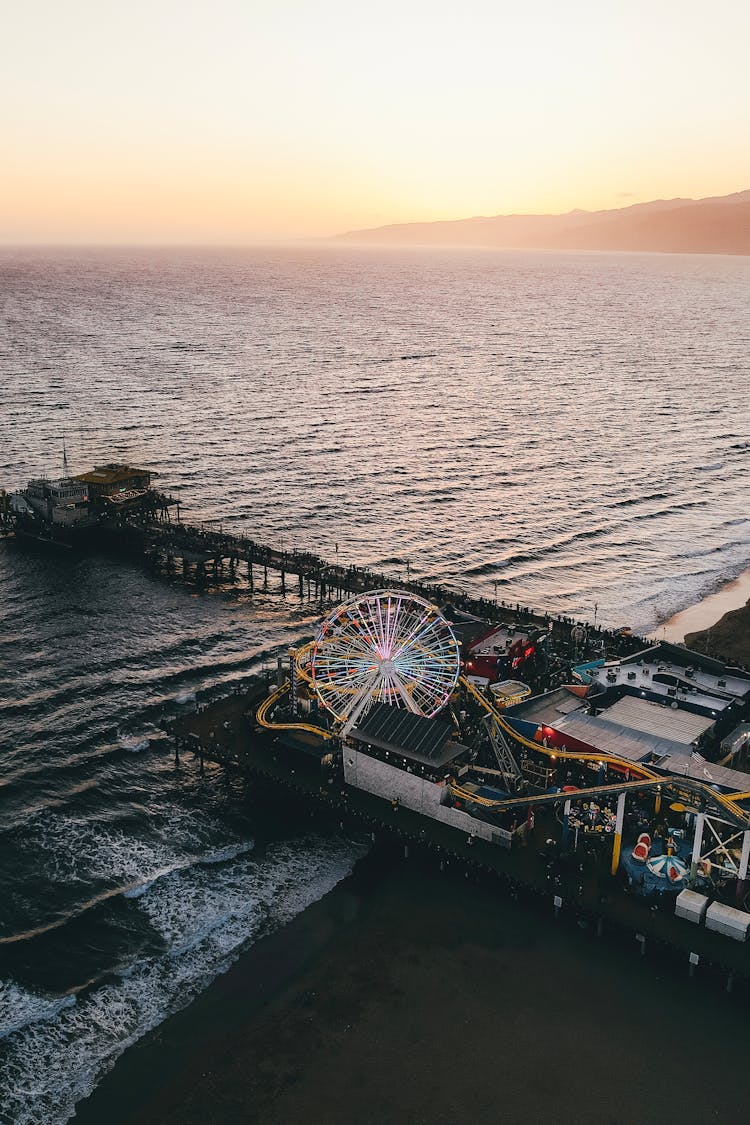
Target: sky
{"x": 240, "y": 121}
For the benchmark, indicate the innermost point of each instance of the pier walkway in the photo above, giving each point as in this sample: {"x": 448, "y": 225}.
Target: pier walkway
{"x": 215, "y": 555}
{"x": 212, "y": 556}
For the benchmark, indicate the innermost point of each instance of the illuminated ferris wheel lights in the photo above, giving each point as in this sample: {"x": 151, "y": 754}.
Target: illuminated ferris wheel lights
{"x": 387, "y": 646}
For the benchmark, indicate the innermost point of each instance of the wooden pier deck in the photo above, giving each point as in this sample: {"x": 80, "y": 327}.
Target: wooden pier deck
{"x": 210, "y": 556}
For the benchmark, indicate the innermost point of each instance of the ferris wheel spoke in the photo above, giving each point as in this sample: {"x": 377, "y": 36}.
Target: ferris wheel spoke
{"x": 361, "y": 699}
{"x": 348, "y": 630}
{"x": 334, "y": 679}
{"x": 399, "y": 626}
{"x": 405, "y": 695}
{"x": 342, "y": 649}
{"x": 415, "y": 670}
{"x": 368, "y": 626}
{"x": 422, "y": 631}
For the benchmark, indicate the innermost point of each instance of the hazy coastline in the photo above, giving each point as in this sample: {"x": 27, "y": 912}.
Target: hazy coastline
{"x": 714, "y": 225}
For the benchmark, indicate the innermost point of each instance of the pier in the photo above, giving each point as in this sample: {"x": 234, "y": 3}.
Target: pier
{"x": 146, "y": 524}
{"x": 209, "y": 557}
{"x": 513, "y": 823}
{"x": 560, "y": 885}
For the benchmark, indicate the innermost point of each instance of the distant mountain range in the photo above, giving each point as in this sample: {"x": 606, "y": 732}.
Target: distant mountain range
{"x": 716, "y": 225}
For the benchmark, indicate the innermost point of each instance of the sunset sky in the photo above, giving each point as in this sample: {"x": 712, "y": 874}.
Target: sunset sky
{"x": 230, "y": 121}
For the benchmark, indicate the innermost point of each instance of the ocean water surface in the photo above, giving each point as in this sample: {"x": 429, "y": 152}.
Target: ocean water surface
{"x": 566, "y": 430}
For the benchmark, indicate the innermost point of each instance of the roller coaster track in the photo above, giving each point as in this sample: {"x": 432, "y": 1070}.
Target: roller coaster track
{"x": 268, "y": 704}
{"x": 557, "y": 798}
{"x": 727, "y": 801}
{"x": 554, "y": 752}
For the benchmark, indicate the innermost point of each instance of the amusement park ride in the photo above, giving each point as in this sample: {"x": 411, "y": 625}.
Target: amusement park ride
{"x": 386, "y": 647}
{"x": 393, "y": 648}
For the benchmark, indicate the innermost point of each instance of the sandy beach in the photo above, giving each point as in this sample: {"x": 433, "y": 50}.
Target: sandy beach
{"x": 415, "y": 996}
{"x": 728, "y": 638}
{"x": 728, "y": 605}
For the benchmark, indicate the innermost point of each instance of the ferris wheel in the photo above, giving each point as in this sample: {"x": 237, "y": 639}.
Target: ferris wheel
{"x": 385, "y": 646}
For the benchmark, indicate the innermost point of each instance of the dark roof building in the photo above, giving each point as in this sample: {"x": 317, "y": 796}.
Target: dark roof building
{"x": 415, "y": 738}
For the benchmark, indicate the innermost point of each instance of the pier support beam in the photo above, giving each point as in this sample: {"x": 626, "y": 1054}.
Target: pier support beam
{"x": 566, "y": 828}
{"x": 697, "y": 844}
{"x": 742, "y": 873}
{"x": 617, "y": 842}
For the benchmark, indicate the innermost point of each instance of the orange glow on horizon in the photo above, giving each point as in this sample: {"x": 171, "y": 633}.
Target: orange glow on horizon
{"x": 173, "y": 123}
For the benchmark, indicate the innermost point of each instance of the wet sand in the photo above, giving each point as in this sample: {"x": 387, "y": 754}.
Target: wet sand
{"x": 728, "y": 638}
{"x": 705, "y": 614}
{"x": 409, "y": 995}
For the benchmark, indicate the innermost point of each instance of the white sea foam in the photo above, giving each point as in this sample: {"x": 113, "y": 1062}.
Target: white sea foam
{"x": 19, "y": 1008}
{"x": 76, "y": 850}
{"x": 132, "y": 743}
{"x": 206, "y": 915}
{"x": 185, "y": 697}
{"x": 79, "y": 851}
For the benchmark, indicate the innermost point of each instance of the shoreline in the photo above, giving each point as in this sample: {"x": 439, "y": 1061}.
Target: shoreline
{"x": 136, "y": 1090}
{"x": 408, "y": 995}
{"x": 706, "y": 613}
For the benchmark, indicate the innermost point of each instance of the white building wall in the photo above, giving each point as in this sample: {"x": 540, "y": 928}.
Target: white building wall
{"x": 67, "y": 517}
{"x": 414, "y": 792}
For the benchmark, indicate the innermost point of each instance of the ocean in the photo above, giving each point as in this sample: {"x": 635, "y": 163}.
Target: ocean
{"x": 565, "y": 430}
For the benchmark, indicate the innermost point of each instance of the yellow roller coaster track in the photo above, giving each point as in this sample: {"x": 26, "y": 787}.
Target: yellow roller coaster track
{"x": 300, "y": 655}
{"x": 549, "y": 798}
{"x": 268, "y": 705}
{"x": 728, "y": 801}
